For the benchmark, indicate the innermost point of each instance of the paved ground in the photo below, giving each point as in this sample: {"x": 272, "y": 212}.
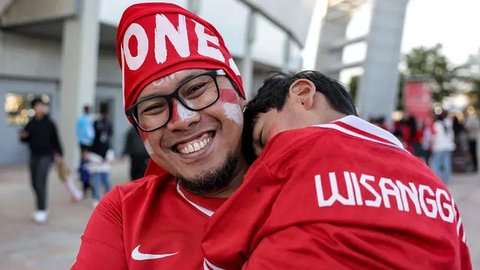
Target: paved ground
{"x": 27, "y": 246}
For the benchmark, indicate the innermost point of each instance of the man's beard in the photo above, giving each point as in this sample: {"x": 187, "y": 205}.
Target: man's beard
{"x": 212, "y": 180}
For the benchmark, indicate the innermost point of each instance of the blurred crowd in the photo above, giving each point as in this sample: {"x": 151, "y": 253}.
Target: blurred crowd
{"x": 94, "y": 136}
{"x": 447, "y": 141}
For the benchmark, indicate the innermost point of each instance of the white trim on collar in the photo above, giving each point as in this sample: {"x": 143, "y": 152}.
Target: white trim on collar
{"x": 366, "y": 127}
{"x": 202, "y": 209}
{"x": 210, "y": 266}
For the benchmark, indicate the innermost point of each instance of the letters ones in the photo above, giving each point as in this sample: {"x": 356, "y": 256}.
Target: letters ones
{"x": 362, "y": 189}
{"x": 208, "y": 45}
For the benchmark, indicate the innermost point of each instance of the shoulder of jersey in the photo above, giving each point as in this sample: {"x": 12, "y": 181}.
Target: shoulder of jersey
{"x": 143, "y": 185}
{"x": 289, "y": 138}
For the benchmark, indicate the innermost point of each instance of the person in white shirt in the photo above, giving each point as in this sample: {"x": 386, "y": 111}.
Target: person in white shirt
{"x": 443, "y": 144}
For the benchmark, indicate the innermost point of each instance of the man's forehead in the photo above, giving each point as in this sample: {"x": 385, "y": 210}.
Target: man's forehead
{"x": 167, "y": 84}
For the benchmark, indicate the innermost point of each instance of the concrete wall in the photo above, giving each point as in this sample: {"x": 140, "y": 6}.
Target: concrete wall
{"x": 108, "y": 69}
{"x": 22, "y": 56}
{"x": 28, "y": 11}
{"x": 30, "y": 65}
{"x": 377, "y": 93}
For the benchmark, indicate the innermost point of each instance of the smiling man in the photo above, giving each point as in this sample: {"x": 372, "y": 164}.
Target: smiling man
{"x": 183, "y": 93}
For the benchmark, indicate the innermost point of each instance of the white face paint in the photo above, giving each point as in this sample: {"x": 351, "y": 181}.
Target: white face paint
{"x": 148, "y": 147}
{"x": 233, "y": 112}
{"x": 184, "y": 113}
{"x": 164, "y": 79}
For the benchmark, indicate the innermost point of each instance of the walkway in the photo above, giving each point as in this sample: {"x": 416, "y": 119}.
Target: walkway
{"x": 27, "y": 246}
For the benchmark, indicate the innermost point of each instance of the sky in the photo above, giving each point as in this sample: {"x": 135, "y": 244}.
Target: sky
{"x": 452, "y": 23}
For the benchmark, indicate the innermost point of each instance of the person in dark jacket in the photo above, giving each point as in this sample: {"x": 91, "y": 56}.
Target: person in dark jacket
{"x": 101, "y": 155}
{"x": 41, "y": 135}
{"x": 135, "y": 149}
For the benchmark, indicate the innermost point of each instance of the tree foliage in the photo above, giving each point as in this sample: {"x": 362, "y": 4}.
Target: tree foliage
{"x": 431, "y": 63}
{"x": 474, "y": 94}
{"x": 353, "y": 87}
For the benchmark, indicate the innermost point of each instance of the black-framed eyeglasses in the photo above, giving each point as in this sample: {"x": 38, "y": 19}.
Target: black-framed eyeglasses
{"x": 196, "y": 94}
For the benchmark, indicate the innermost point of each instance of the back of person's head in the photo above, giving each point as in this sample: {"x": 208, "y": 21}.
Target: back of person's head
{"x": 274, "y": 93}
{"x": 86, "y": 109}
{"x": 103, "y": 109}
{"x": 441, "y": 116}
{"x": 36, "y": 101}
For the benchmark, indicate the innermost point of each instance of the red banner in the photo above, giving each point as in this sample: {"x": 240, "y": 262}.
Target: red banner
{"x": 417, "y": 100}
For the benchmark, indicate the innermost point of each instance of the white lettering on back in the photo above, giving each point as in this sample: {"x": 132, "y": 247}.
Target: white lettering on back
{"x": 350, "y": 200}
{"x": 449, "y": 217}
{"x": 424, "y": 201}
{"x": 378, "y": 199}
{"x": 412, "y": 194}
{"x": 391, "y": 190}
{"x": 356, "y": 187}
{"x": 430, "y": 201}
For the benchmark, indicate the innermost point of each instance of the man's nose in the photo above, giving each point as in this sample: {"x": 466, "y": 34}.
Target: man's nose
{"x": 181, "y": 117}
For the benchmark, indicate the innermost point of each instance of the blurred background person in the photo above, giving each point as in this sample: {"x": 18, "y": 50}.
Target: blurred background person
{"x": 472, "y": 127}
{"x": 101, "y": 155}
{"x": 426, "y": 141}
{"x": 442, "y": 147}
{"x": 41, "y": 135}
{"x": 135, "y": 150}
{"x": 406, "y": 130}
{"x": 85, "y": 135}
{"x": 412, "y": 135}
{"x": 460, "y": 157}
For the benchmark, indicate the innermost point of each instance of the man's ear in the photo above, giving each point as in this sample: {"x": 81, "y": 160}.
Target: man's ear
{"x": 303, "y": 92}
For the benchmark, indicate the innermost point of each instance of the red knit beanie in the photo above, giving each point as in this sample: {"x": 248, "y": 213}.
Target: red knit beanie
{"x": 157, "y": 39}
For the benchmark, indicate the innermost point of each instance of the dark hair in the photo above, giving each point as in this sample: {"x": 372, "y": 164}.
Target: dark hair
{"x": 35, "y": 101}
{"x": 274, "y": 93}
{"x": 104, "y": 108}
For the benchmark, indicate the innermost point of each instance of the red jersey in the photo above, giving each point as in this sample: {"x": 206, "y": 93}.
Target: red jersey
{"x": 345, "y": 195}
{"x": 146, "y": 224}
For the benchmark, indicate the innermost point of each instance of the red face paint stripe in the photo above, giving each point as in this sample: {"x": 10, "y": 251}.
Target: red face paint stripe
{"x": 143, "y": 135}
{"x": 228, "y": 95}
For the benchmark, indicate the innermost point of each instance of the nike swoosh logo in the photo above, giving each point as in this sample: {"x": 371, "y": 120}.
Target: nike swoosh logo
{"x": 138, "y": 256}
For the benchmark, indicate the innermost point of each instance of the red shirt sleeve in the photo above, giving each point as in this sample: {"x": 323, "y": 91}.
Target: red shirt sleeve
{"x": 102, "y": 242}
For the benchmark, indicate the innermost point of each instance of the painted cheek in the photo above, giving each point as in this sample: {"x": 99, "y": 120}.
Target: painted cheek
{"x": 148, "y": 147}
{"x": 231, "y": 107}
{"x": 180, "y": 113}
{"x": 233, "y": 112}
{"x": 146, "y": 142}
{"x": 228, "y": 95}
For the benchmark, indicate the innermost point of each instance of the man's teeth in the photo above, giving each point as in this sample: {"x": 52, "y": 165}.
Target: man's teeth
{"x": 194, "y": 147}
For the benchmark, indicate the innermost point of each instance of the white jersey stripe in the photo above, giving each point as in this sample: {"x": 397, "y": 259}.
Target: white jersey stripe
{"x": 209, "y": 266}
{"x": 363, "y": 125}
{"x": 200, "y": 208}
{"x": 360, "y": 124}
{"x": 459, "y": 224}
{"x": 346, "y": 131}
